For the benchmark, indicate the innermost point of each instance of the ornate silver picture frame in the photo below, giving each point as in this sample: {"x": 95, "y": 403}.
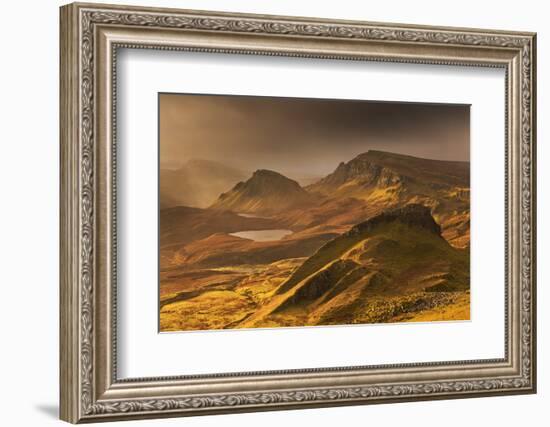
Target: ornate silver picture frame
{"x": 91, "y": 36}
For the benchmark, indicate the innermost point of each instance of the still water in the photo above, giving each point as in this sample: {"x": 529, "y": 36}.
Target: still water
{"x": 262, "y": 235}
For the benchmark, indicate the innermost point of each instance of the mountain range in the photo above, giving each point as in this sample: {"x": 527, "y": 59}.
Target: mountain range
{"x": 384, "y": 180}
{"x": 384, "y": 237}
{"x": 365, "y": 186}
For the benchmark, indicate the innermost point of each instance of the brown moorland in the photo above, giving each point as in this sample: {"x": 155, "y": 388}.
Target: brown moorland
{"x": 384, "y": 238}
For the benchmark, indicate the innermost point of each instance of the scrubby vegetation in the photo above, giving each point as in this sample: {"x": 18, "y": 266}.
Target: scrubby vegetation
{"x": 384, "y": 238}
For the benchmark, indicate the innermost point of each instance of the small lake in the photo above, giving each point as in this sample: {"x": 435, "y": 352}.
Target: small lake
{"x": 262, "y": 235}
{"x": 246, "y": 215}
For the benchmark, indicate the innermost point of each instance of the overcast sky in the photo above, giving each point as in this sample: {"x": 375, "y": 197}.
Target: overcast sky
{"x": 305, "y": 136}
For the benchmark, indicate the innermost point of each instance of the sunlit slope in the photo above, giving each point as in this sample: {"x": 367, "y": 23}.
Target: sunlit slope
{"x": 394, "y": 263}
{"x": 265, "y": 193}
{"x": 386, "y": 180}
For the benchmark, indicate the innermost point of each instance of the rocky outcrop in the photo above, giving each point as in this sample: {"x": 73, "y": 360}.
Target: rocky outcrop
{"x": 361, "y": 170}
{"x": 383, "y": 170}
{"x": 413, "y": 215}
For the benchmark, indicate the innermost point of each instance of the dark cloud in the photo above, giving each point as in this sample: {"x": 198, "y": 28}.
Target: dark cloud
{"x": 305, "y": 136}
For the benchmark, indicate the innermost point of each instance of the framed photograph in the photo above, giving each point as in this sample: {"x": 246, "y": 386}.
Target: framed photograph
{"x": 265, "y": 213}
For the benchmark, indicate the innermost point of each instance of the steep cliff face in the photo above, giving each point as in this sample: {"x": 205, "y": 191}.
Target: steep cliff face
{"x": 412, "y": 215}
{"x": 378, "y": 169}
{"x": 360, "y": 172}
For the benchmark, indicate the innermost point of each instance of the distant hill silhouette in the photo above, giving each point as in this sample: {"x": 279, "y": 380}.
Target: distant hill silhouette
{"x": 266, "y": 192}
{"x": 197, "y": 183}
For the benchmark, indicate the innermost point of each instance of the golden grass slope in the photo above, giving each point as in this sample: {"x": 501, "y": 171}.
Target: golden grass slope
{"x": 393, "y": 267}
{"x": 383, "y": 238}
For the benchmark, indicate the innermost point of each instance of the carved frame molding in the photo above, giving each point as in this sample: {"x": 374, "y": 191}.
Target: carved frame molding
{"x": 90, "y": 37}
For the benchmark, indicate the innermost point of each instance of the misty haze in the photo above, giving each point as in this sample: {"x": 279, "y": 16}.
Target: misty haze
{"x": 282, "y": 212}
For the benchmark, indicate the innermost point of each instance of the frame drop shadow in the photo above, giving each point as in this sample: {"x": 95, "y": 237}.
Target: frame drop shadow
{"x": 51, "y": 410}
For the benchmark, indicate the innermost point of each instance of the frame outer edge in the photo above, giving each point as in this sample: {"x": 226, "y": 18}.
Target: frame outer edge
{"x": 534, "y": 270}
{"x": 77, "y": 225}
{"x": 69, "y": 354}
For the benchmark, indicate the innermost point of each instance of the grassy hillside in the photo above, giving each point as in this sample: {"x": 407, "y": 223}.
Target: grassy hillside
{"x": 393, "y": 267}
{"x": 387, "y": 180}
{"x": 266, "y": 193}
{"x": 392, "y": 264}
{"x": 384, "y": 238}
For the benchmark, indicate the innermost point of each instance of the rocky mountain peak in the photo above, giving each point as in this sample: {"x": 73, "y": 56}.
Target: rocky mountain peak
{"x": 267, "y": 182}
{"x": 364, "y": 170}
{"x": 266, "y": 191}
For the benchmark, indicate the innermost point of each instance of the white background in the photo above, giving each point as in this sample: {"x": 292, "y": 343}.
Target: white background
{"x": 29, "y": 173}
{"x": 145, "y": 353}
